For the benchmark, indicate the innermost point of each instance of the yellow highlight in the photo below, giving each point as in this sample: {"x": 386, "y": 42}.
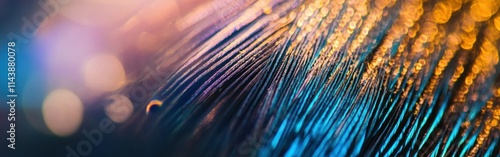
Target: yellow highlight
{"x": 496, "y": 22}
{"x": 481, "y": 10}
{"x": 380, "y": 4}
{"x": 468, "y": 81}
{"x": 267, "y": 10}
{"x": 153, "y": 103}
{"x": 442, "y": 12}
{"x": 497, "y": 93}
{"x": 455, "y": 4}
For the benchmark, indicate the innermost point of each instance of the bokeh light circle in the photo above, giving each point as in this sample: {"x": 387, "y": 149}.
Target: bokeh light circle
{"x": 104, "y": 73}
{"x": 119, "y": 109}
{"x": 62, "y": 112}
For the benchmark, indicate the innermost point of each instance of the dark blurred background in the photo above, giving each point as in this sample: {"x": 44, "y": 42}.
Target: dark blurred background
{"x": 68, "y": 74}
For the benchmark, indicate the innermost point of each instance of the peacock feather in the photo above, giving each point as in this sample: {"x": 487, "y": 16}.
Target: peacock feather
{"x": 327, "y": 78}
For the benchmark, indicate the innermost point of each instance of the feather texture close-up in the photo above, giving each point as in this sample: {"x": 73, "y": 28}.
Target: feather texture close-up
{"x": 300, "y": 78}
{"x": 331, "y": 78}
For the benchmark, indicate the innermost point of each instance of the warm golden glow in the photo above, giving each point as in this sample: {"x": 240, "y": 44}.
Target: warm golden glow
{"x": 104, "y": 73}
{"x": 153, "y": 103}
{"x": 62, "y": 112}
